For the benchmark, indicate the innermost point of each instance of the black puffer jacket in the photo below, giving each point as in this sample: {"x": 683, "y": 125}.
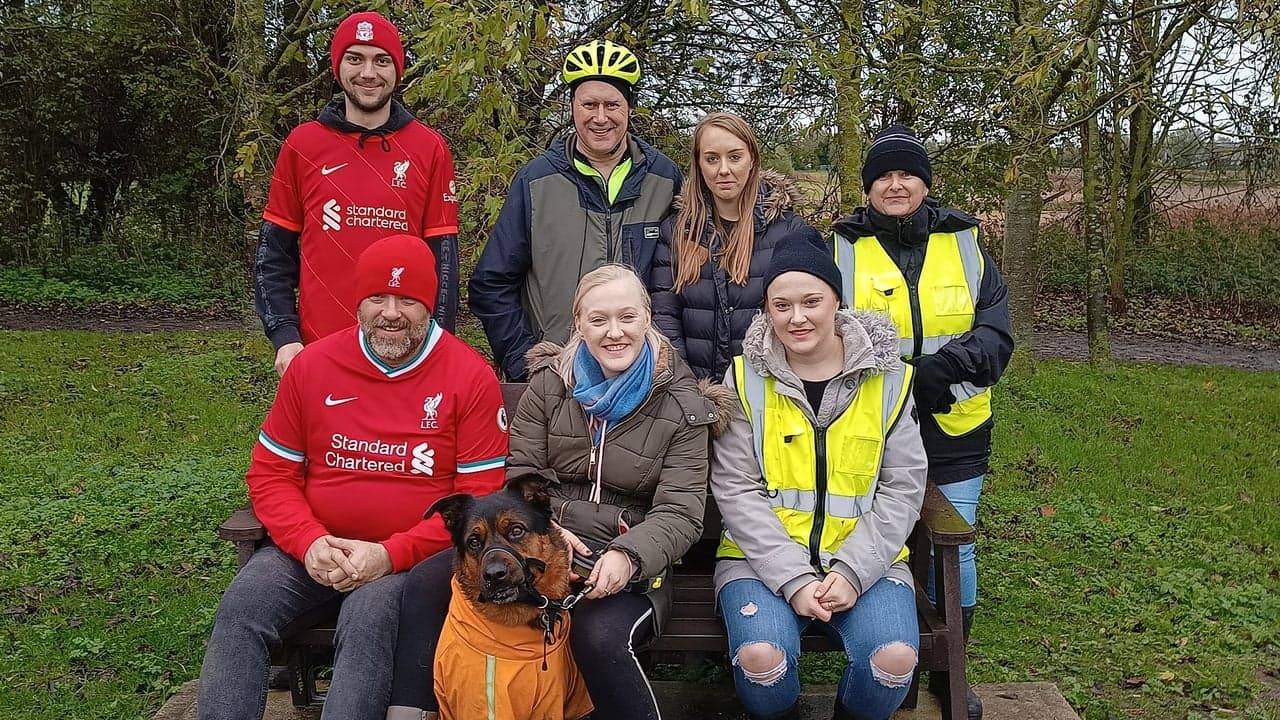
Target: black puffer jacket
{"x": 706, "y": 320}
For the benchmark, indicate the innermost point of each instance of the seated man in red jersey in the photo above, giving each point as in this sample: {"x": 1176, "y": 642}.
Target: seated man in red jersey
{"x": 369, "y": 427}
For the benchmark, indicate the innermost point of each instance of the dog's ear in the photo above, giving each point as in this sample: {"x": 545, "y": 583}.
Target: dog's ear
{"x": 453, "y": 508}
{"x": 533, "y": 487}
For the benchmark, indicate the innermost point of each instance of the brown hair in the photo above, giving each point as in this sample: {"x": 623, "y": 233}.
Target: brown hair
{"x": 688, "y": 253}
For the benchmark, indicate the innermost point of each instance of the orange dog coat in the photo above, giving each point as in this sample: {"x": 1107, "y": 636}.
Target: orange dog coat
{"x": 483, "y": 670}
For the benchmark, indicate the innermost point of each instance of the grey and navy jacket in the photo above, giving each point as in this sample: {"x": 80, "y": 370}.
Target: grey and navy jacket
{"x": 555, "y": 226}
{"x": 708, "y": 318}
{"x": 978, "y": 356}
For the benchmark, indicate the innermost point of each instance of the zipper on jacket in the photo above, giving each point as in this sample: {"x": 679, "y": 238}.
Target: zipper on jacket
{"x": 608, "y": 235}
{"x": 820, "y": 496}
{"x": 913, "y": 290}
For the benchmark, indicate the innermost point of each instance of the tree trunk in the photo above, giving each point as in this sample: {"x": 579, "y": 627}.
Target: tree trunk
{"x": 850, "y": 110}
{"x": 249, "y": 49}
{"x": 1022, "y": 227}
{"x": 1091, "y": 225}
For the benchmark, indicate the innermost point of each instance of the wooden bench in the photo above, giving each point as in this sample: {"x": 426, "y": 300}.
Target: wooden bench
{"x": 694, "y": 630}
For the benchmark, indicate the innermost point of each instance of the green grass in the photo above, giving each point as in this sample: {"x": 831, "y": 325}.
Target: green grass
{"x": 1127, "y": 535}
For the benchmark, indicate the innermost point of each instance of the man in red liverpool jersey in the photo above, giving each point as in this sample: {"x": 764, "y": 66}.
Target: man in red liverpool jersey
{"x": 365, "y": 169}
{"x": 369, "y": 427}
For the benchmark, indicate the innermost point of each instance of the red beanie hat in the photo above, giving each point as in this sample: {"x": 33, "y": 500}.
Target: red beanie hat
{"x": 367, "y": 28}
{"x": 398, "y": 265}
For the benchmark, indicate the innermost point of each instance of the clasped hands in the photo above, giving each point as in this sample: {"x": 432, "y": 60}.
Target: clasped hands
{"x": 819, "y": 600}
{"x": 345, "y": 565}
{"x": 611, "y": 573}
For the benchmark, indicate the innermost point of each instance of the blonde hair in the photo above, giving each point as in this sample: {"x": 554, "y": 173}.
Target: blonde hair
{"x": 604, "y": 275}
{"x": 688, "y": 254}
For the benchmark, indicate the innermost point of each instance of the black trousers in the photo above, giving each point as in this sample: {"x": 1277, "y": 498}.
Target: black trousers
{"x": 605, "y": 633}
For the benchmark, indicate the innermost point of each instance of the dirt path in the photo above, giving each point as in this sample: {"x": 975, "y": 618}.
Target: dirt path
{"x": 1049, "y": 343}
{"x": 1142, "y": 348}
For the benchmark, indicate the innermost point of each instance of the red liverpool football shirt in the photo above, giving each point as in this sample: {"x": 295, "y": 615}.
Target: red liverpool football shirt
{"x": 357, "y": 449}
{"x": 341, "y": 198}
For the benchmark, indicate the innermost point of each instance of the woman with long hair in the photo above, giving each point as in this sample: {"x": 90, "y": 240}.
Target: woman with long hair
{"x": 707, "y": 273}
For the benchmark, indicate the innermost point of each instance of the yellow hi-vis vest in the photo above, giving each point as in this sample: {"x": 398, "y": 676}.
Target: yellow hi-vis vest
{"x": 792, "y": 453}
{"x": 939, "y": 309}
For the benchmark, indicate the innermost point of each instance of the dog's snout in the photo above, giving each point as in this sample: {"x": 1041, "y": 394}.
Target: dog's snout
{"x": 495, "y": 571}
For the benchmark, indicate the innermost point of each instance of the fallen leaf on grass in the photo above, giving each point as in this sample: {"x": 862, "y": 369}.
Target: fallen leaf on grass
{"x": 1136, "y": 681}
{"x": 1168, "y": 676}
{"x": 1048, "y": 511}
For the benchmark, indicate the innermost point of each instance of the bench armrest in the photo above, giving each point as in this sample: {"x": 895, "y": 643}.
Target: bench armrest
{"x": 243, "y": 529}
{"x": 942, "y": 521}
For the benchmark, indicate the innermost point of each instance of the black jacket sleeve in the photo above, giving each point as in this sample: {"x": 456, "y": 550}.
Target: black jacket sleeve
{"x": 494, "y": 290}
{"x": 445, "y": 248}
{"x": 275, "y": 284}
{"x": 981, "y": 355}
{"x": 668, "y": 306}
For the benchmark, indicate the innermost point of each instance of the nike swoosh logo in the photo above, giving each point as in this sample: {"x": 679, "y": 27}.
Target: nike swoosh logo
{"x": 325, "y": 170}
{"x": 330, "y": 402}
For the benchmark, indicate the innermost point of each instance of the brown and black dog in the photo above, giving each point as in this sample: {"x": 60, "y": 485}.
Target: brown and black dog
{"x": 494, "y": 658}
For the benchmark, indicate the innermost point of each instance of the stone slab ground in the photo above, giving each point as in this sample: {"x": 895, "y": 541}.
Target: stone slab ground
{"x": 687, "y": 701}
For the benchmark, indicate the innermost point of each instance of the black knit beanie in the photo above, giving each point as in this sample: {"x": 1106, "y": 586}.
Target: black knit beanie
{"x": 805, "y": 251}
{"x": 896, "y": 148}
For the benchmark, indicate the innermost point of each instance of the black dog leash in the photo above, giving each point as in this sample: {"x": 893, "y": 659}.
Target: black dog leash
{"x": 552, "y": 616}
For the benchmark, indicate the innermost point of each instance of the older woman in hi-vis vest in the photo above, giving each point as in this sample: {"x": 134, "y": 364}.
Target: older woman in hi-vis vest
{"x": 923, "y": 264}
{"x": 819, "y": 482}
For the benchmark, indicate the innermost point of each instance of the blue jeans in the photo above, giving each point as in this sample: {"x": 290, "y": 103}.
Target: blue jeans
{"x": 964, "y": 495}
{"x": 885, "y": 614}
{"x": 271, "y": 591}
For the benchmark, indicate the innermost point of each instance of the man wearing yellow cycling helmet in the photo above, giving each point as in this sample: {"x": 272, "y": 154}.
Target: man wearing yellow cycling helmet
{"x": 595, "y": 196}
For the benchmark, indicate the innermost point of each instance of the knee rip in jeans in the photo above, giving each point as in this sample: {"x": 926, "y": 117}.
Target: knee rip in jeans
{"x": 762, "y": 663}
{"x": 893, "y": 663}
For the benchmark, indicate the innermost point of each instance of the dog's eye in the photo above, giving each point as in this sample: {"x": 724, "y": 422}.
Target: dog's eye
{"x": 473, "y": 542}
{"x": 515, "y": 532}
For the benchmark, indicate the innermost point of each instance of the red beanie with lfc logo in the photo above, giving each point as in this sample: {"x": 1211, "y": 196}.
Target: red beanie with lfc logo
{"x": 398, "y": 265}
{"x": 367, "y": 28}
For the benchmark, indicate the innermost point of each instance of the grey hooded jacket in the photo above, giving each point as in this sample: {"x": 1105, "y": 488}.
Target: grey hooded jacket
{"x": 867, "y": 555}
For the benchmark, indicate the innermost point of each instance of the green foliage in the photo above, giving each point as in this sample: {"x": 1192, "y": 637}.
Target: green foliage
{"x": 483, "y": 70}
{"x": 121, "y": 452}
{"x": 1212, "y": 258}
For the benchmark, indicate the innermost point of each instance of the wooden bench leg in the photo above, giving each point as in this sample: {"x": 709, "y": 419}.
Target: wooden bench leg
{"x": 955, "y": 704}
{"x": 302, "y": 672}
{"x": 913, "y": 695}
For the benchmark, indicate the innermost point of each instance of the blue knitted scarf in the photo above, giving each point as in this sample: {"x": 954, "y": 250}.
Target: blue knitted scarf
{"x": 611, "y": 399}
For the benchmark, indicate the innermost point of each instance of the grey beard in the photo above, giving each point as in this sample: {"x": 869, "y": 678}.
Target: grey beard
{"x": 393, "y": 351}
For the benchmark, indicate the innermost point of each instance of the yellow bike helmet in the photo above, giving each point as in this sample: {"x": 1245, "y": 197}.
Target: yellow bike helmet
{"x": 600, "y": 59}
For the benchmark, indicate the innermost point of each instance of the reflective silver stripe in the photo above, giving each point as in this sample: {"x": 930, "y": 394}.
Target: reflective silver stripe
{"x": 849, "y": 506}
{"x": 845, "y": 263}
{"x": 906, "y": 346}
{"x": 802, "y": 500}
{"x": 961, "y": 391}
{"x": 971, "y": 258}
{"x": 931, "y": 345}
{"x": 753, "y": 389}
{"x": 889, "y": 396}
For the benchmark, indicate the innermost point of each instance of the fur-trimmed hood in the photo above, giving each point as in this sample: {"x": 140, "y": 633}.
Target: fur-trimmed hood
{"x": 779, "y": 193}
{"x": 668, "y": 367}
{"x": 870, "y": 346}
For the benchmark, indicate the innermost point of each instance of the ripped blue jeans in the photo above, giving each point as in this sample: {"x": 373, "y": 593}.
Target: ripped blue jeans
{"x": 882, "y": 617}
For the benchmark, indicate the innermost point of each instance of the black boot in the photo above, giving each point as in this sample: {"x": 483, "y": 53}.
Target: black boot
{"x": 938, "y": 688}
{"x": 841, "y": 713}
